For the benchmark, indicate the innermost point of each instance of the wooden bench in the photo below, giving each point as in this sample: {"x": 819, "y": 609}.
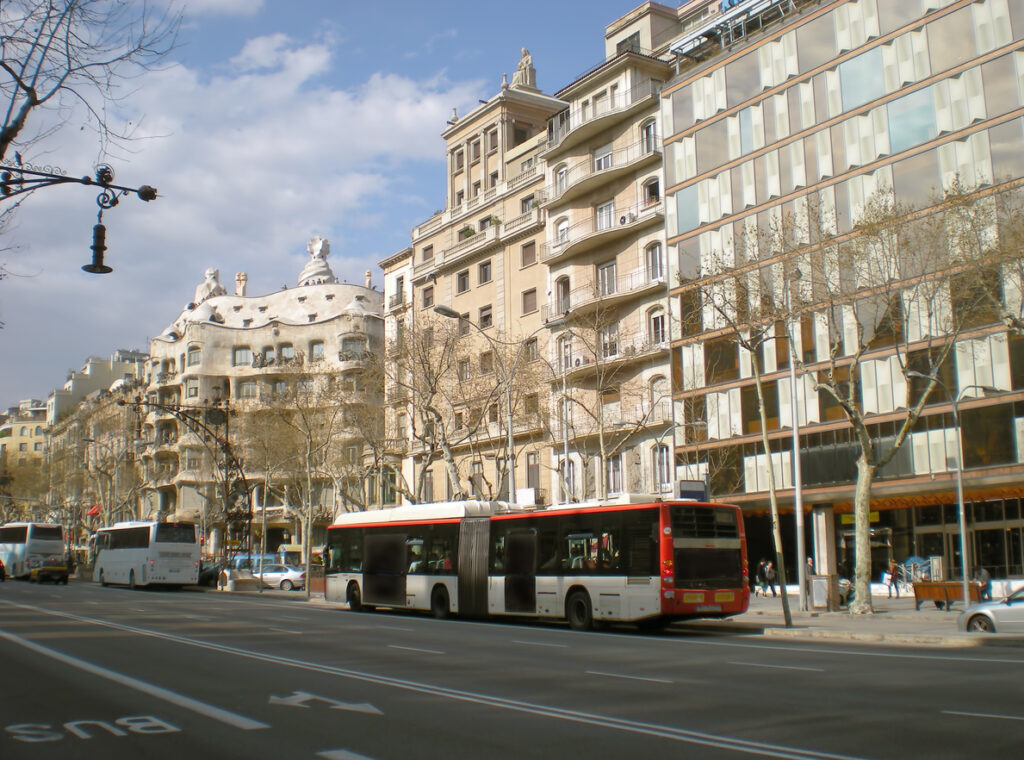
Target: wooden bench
{"x": 944, "y": 593}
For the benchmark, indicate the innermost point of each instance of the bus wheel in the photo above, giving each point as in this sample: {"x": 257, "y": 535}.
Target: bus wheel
{"x": 579, "y": 612}
{"x": 131, "y": 580}
{"x": 440, "y": 605}
{"x": 354, "y": 598}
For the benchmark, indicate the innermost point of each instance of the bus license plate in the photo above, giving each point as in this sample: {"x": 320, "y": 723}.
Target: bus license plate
{"x": 725, "y": 596}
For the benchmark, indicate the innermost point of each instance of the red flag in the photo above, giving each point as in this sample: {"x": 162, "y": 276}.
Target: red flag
{"x": 94, "y": 510}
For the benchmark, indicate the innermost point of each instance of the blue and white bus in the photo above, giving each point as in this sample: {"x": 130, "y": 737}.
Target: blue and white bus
{"x": 146, "y": 553}
{"x": 21, "y": 540}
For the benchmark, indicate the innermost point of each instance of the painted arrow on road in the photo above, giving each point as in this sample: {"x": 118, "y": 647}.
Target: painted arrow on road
{"x": 302, "y": 698}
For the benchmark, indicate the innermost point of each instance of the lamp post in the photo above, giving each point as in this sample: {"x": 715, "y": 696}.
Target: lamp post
{"x": 510, "y": 464}
{"x": 17, "y": 178}
{"x": 961, "y": 509}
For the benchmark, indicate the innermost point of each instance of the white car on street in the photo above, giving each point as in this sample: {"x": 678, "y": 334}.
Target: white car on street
{"x": 1004, "y": 615}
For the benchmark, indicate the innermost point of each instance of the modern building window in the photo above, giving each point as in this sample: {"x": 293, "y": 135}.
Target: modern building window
{"x": 485, "y": 320}
{"x": 316, "y": 350}
{"x": 528, "y": 254}
{"x": 606, "y": 279}
{"x": 462, "y": 281}
{"x": 603, "y": 158}
{"x": 530, "y": 301}
{"x": 428, "y": 296}
{"x": 247, "y": 389}
{"x": 195, "y": 355}
{"x": 860, "y": 79}
{"x": 483, "y": 272}
{"x": 605, "y": 215}
{"x": 242, "y": 356}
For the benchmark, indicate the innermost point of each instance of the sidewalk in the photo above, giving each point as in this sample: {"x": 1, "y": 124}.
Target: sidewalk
{"x": 894, "y": 622}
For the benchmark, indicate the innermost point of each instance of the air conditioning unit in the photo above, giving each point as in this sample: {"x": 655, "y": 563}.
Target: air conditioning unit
{"x": 622, "y": 220}
{"x": 577, "y": 361}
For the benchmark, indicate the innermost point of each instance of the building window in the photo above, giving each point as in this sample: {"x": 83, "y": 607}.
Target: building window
{"x": 649, "y": 137}
{"x": 530, "y": 351}
{"x": 655, "y": 263}
{"x": 492, "y": 140}
{"x": 652, "y": 193}
{"x": 192, "y": 388}
{"x": 242, "y": 356}
{"x": 606, "y": 278}
{"x": 428, "y": 296}
{"x": 464, "y": 324}
{"x": 474, "y": 151}
{"x": 530, "y": 301}
{"x": 37, "y": 447}
{"x": 525, "y": 204}
{"x": 603, "y": 158}
{"x": 609, "y": 341}
{"x": 476, "y": 189}
{"x": 605, "y": 215}
{"x": 247, "y": 389}
{"x": 22, "y": 447}
{"x": 662, "y": 467}
{"x": 532, "y": 471}
{"x": 353, "y": 349}
{"x": 656, "y": 331}
{"x": 316, "y": 350}
{"x": 561, "y": 180}
{"x": 463, "y": 370}
{"x": 565, "y": 352}
{"x": 428, "y": 486}
{"x": 195, "y": 354}
{"x": 614, "y": 474}
{"x": 528, "y": 254}
{"x": 462, "y": 281}
{"x": 460, "y": 196}
{"x": 428, "y": 253}
{"x": 562, "y": 231}
{"x": 492, "y": 413}
{"x": 486, "y": 363}
{"x": 483, "y": 272}
{"x": 485, "y": 320}
{"x": 286, "y": 351}
{"x": 459, "y": 420}
{"x": 493, "y": 179}
{"x": 460, "y": 160}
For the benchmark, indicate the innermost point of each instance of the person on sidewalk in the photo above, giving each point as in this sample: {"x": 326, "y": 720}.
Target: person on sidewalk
{"x": 769, "y": 578}
{"x": 808, "y": 575}
{"x": 894, "y": 574}
{"x": 762, "y": 577}
{"x": 984, "y": 579}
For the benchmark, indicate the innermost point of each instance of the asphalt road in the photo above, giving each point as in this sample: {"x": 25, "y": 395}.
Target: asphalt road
{"x": 87, "y": 671}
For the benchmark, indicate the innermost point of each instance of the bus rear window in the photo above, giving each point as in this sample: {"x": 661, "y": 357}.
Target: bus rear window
{"x": 15, "y": 535}
{"x": 175, "y": 533}
{"x": 48, "y": 532}
{"x": 703, "y": 522}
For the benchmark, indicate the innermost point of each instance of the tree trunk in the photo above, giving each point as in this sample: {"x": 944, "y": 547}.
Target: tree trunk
{"x": 861, "y": 604}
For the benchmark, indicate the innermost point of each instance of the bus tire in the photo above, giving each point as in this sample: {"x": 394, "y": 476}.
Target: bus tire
{"x": 355, "y": 598}
{"x": 440, "y": 604}
{"x": 578, "y": 611}
{"x": 131, "y": 580}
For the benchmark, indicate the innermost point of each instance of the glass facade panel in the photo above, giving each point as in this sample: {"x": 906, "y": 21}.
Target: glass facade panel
{"x": 916, "y": 179}
{"x": 687, "y": 211}
{"x": 911, "y": 120}
{"x": 860, "y": 79}
{"x": 712, "y": 147}
{"x": 682, "y": 108}
{"x": 1004, "y": 145}
{"x": 949, "y": 40}
{"x": 1000, "y": 82}
{"x": 815, "y": 43}
{"x": 742, "y": 79}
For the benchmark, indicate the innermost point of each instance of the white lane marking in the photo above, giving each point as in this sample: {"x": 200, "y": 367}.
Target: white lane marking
{"x": 605, "y": 721}
{"x": 777, "y": 667}
{"x": 285, "y": 630}
{"x": 631, "y": 678}
{"x": 414, "y": 649}
{"x": 540, "y": 644}
{"x": 341, "y": 754}
{"x": 202, "y": 708}
{"x": 982, "y": 715}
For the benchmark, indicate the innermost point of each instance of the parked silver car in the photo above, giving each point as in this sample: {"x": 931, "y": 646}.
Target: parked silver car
{"x": 282, "y": 576}
{"x": 1005, "y": 615}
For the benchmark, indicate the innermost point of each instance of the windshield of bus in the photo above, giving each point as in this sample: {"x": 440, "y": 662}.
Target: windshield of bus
{"x": 706, "y": 547}
{"x": 175, "y": 533}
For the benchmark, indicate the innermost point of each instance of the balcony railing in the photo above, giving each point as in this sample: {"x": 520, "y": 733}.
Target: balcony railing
{"x": 620, "y": 221}
{"x": 622, "y": 285}
{"x": 616, "y": 161}
{"x": 565, "y": 123}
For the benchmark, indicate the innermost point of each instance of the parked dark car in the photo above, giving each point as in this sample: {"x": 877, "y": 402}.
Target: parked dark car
{"x": 209, "y": 570}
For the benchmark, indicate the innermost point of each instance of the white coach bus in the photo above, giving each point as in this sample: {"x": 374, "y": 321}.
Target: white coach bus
{"x": 21, "y": 540}
{"x": 147, "y": 553}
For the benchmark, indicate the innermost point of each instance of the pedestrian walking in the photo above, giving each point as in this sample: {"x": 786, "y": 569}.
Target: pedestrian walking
{"x": 808, "y": 575}
{"x": 769, "y": 577}
{"x": 984, "y": 579}
{"x": 762, "y": 576}
{"x": 894, "y": 574}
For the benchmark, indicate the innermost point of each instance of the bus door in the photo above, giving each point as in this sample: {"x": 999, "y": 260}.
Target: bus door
{"x": 474, "y": 543}
{"x": 384, "y": 569}
{"x": 520, "y": 571}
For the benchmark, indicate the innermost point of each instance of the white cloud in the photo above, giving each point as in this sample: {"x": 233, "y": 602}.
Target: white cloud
{"x": 249, "y": 165}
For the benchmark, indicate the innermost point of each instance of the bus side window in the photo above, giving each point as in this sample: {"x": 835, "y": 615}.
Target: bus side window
{"x": 498, "y": 554}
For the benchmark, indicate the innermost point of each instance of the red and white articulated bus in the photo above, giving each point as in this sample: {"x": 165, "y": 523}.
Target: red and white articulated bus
{"x": 636, "y": 559}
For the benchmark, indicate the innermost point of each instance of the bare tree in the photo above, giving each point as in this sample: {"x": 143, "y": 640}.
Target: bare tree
{"x": 60, "y": 55}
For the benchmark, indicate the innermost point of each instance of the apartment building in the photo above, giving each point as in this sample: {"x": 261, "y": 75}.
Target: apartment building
{"x": 783, "y": 107}
{"x": 463, "y": 299}
{"x": 23, "y": 431}
{"x": 95, "y": 375}
{"x": 226, "y": 358}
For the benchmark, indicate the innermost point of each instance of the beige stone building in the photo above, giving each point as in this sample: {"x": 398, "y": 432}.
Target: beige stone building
{"x": 227, "y": 358}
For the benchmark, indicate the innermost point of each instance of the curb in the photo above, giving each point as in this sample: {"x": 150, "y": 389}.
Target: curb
{"x": 960, "y": 640}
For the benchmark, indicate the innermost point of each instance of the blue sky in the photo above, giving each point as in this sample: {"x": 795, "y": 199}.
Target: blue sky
{"x": 272, "y": 122}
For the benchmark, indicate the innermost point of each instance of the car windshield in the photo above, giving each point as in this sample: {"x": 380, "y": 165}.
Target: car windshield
{"x": 1016, "y": 596}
